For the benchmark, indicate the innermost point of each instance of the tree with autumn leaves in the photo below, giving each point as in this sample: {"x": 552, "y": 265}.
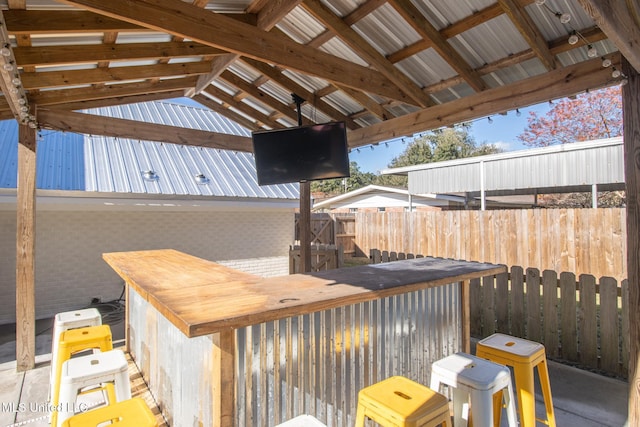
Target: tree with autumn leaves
{"x": 588, "y": 116}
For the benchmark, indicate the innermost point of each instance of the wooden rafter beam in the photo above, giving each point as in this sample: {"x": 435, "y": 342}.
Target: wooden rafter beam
{"x": 62, "y": 96}
{"x": 417, "y": 20}
{"x": 228, "y": 113}
{"x": 119, "y": 100}
{"x": 43, "y": 56}
{"x": 52, "y": 79}
{"x": 269, "y": 14}
{"x": 68, "y": 121}
{"x": 525, "y": 25}
{"x": 367, "y": 52}
{"x": 314, "y": 99}
{"x": 558, "y": 83}
{"x": 617, "y": 19}
{"x": 76, "y": 21}
{"x": 261, "y": 96}
{"x": 182, "y": 19}
{"x": 242, "y": 107}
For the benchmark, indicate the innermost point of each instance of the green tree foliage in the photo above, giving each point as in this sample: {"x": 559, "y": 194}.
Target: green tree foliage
{"x": 357, "y": 180}
{"x": 437, "y": 146}
{"x": 592, "y": 115}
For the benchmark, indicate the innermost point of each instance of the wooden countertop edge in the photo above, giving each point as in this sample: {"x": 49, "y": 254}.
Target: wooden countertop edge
{"x": 289, "y": 308}
{"x": 292, "y": 309}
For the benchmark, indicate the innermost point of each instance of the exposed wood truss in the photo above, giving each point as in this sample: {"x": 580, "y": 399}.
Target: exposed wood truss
{"x": 376, "y": 67}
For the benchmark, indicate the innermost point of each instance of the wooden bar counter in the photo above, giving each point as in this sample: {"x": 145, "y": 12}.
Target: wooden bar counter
{"x": 226, "y": 348}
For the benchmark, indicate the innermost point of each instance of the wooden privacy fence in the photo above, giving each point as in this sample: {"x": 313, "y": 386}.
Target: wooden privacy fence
{"x": 323, "y": 257}
{"x": 583, "y": 241}
{"x": 582, "y": 321}
{"x": 332, "y": 229}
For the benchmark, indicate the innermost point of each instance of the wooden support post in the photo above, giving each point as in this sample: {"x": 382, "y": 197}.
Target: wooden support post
{"x": 224, "y": 396}
{"x": 305, "y": 227}
{"x": 631, "y": 120}
{"x": 25, "y": 250}
{"x": 465, "y": 315}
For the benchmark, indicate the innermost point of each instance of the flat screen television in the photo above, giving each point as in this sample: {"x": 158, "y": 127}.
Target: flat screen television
{"x": 302, "y": 153}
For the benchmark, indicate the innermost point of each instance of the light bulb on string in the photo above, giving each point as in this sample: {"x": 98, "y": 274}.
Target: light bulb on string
{"x": 563, "y": 17}
{"x": 615, "y": 73}
{"x": 371, "y": 146}
{"x": 592, "y": 52}
{"x": 606, "y": 62}
{"x": 573, "y": 39}
{"x": 5, "y": 51}
{"x": 518, "y": 112}
{"x": 490, "y": 120}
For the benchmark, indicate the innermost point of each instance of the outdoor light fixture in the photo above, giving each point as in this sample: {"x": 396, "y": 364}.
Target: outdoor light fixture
{"x": 201, "y": 179}
{"x": 150, "y": 175}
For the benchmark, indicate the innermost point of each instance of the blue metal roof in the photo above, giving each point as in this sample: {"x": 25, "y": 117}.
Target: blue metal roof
{"x": 67, "y": 161}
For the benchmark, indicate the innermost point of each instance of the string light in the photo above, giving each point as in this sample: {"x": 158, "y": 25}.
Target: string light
{"x": 518, "y": 112}
{"x": 490, "y": 120}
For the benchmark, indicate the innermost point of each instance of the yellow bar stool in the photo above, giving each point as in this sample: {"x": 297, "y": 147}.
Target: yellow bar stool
{"x": 63, "y": 322}
{"x": 523, "y": 356}
{"x": 128, "y": 413}
{"x": 398, "y": 401}
{"x": 74, "y": 341}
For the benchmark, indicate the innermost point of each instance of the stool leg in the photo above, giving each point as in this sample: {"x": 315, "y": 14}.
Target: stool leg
{"x": 482, "y": 408}
{"x": 510, "y": 402}
{"x": 460, "y": 398}
{"x": 497, "y": 408}
{"x": 360, "y": 416}
{"x": 526, "y": 396}
{"x": 543, "y": 373}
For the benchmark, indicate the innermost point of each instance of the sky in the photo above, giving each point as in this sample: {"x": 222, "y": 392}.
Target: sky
{"x": 503, "y": 132}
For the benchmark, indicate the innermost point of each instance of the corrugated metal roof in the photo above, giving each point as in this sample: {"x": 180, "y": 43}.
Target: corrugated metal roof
{"x": 69, "y": 161}
{"x": 578, "y": 164}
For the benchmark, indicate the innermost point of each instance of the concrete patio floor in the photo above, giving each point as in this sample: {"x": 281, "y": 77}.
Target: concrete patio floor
{"x": 580, "y": 398}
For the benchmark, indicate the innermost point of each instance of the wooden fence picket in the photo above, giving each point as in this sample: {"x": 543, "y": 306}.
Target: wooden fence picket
{"x": 581, "y": 322}
{"x": 587, "y": 321}
{"x": 533, "y": 305}
{"x": 609, "y": 325}
{"x": 568, "y": 322}
{"x": 550, "y": 312}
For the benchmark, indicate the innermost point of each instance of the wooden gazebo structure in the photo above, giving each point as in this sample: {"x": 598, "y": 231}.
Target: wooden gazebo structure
{"x": 386, "y": 68}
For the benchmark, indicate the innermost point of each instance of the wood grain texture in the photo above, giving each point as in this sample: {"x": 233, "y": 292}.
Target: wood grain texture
{"x": 201, "y": 297}
{"x": 25, "y": 250}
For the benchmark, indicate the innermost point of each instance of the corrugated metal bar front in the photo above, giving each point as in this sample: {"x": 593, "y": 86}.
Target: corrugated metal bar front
{"x": 316, "y": 363}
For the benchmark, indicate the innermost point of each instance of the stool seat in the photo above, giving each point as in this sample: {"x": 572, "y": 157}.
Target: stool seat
{"x": 523, "y": 356}
{"x": 476, "y": 380}
{"x": 63, "y": 322}
{"x": 129, "y": 413}
{"x": 93, "y": 370}
{"x": 399, "y": 401}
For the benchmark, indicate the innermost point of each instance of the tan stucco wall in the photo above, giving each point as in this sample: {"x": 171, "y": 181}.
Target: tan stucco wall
{"x": 69, "y": 246}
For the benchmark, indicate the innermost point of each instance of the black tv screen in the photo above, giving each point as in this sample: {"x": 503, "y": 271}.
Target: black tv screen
{"x": 303, "y": 153}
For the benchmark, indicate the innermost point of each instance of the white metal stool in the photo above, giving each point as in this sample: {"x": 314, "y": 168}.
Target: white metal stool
{"x": 63, "y": 322}
{"x": 92, "y": 370}
{"x": 474, "y": 381}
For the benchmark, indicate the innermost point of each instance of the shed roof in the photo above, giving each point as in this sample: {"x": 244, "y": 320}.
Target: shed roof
{"x": 122, "y": 166}
{"x": 382, "y": 196}
{"x": 559, "y": 168}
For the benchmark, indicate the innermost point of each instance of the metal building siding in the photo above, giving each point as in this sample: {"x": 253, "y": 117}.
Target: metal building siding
{"x": 557, "y": 166}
